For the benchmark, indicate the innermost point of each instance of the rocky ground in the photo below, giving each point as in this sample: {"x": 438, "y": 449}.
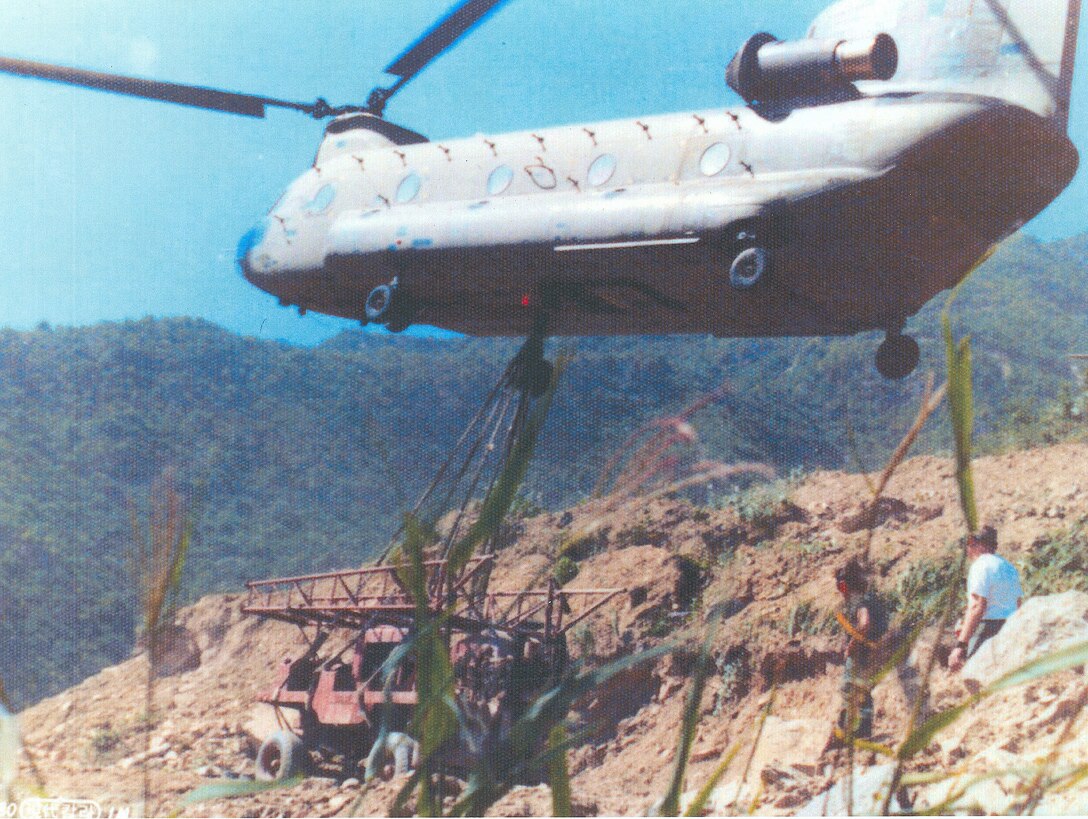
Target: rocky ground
{"x": 767, "y": 572}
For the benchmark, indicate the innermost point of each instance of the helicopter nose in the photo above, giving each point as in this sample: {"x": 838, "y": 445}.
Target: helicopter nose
{"x": 247, "y": 251}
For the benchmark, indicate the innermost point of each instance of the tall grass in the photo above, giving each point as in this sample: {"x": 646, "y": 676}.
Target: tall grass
{"x": 958, "y": 363}
{"x": 436, "y": 718}
{"x": 670, "y": 806}
{"x": 10, "y": 747}
{"x": 161, "y": 536}
{"x": 664, "y": 457}
{"x": 931, "y": 400}
{"x": 558, "y": 775}
{"x": 12, "y": 750}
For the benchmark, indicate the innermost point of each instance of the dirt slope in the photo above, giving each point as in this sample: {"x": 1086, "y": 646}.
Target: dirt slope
{"x": 765, "y": 575}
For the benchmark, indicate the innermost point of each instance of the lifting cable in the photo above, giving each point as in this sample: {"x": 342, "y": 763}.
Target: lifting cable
{"x": 480, "y": 454}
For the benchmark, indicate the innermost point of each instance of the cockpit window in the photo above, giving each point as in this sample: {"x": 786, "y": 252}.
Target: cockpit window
{"x": 321, "y": 201}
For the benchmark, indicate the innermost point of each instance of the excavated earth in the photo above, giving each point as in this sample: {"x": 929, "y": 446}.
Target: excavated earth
{"x": 681, "y": 566}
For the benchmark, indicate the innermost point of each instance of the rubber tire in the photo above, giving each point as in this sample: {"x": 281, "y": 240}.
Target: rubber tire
{"x": 387, "y": 757}
{"x": 379, "y": 302}
{"x": 749, "y": 267}
{"x": 897, "y": 357}
{"x": 281, "y": 756}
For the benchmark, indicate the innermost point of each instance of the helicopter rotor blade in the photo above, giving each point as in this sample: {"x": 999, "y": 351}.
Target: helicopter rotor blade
{"x": 193, "y": 96}
{"x": 443, "y": 34}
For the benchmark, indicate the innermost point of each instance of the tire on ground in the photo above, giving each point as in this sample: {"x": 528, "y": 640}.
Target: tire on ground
{"x": 281, "y": 756}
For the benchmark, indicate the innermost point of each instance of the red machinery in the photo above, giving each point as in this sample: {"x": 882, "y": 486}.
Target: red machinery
{"x": 506, "y": 648}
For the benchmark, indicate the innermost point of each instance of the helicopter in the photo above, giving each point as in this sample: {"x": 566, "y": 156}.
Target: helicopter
{"x": 872, "y": 165}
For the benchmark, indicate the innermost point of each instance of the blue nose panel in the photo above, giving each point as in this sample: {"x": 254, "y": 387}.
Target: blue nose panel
{"x": 252, "y": 238}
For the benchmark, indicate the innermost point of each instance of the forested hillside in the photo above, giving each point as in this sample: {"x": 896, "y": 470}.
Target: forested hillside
{"x": 307, "y": 456}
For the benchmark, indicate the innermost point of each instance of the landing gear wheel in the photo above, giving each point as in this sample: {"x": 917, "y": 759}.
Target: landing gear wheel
{"x": 386, "y": 305}
{"x": 380, "y": 302}
{"x": 281, "y": 756}
{"x": 897, "y": 357}
{"x": 749, "y": 266}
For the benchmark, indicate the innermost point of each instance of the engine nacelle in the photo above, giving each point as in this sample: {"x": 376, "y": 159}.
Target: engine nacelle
{"x": 766, "y": 68}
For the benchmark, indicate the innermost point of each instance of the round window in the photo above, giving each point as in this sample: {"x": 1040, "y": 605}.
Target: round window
{"x": 322, "y": 199}
{"x": 602, "y": 169}
{"x": 715, "y": 158}
{"x": 499, "y": 180}
{"x": 409, "y": 188}
{"x": 542, "y": 175}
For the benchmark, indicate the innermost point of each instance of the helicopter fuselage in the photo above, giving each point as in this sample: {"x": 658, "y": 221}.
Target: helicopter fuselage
{"x": 861, "y": 208}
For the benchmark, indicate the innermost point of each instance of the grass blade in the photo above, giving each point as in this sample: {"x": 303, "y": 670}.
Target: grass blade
{"x": 755, "y": 743}
{"x": 10, "y": 745}
{"x": 1052, "y": 663}
{"x": 232, "y": 788}
{"x": 947, "y": 604}
{"x": 513, "y": 756}
{"x": 961, "y": 404}
{"x": 670, "y": 806}
{"x": 434, "y": 720}
{"x": 921, "y": 736}
{"x": 698, "y": 804}
{"x": 558, "y": 777}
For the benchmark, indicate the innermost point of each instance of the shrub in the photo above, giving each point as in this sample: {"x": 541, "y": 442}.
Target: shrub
{"x": 1058, "y": 562}
{"x": 104, "y": 739}
{"x": 565, "y": 570}
{"x": 806, "y": 618}
{"x": 761, "y": 503}
{"x": 918, "y": 592}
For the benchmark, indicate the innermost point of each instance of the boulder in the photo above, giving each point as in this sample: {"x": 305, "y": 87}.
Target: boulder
{"x": 789, "y": 742}
{"x": 176, "y": 651}
{"x": 1042, "y": 626}
{"x": 729, "y": 799}
{"x": 990, "y": 788}
{"x": 870, "y": 787}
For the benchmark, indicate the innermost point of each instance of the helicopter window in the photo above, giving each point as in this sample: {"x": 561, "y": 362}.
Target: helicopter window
{"x": 409, "y": 188}
{"x": 499, "y": 180}
{"x": 322, "y": 199}
{"x": 602, "y": 169}
{"x": 542, "y": 175}
{"x": 715, "y": 158}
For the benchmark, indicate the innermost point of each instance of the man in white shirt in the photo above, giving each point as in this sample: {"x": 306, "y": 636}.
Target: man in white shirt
{"x": 993, "y": 595}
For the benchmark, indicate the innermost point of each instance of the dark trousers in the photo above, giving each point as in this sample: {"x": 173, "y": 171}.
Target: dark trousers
{"x": 987, "y": 630}
{"x": 856, "y": 717}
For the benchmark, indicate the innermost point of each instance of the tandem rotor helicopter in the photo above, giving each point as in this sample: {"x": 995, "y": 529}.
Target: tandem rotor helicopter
{"x": 873, "y": 164}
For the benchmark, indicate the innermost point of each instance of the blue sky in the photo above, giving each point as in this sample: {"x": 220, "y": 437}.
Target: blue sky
{"x": 117, "y": 208}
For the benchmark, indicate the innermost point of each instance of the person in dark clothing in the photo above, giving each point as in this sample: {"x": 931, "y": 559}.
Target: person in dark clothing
{"x": 864, "y": 619}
